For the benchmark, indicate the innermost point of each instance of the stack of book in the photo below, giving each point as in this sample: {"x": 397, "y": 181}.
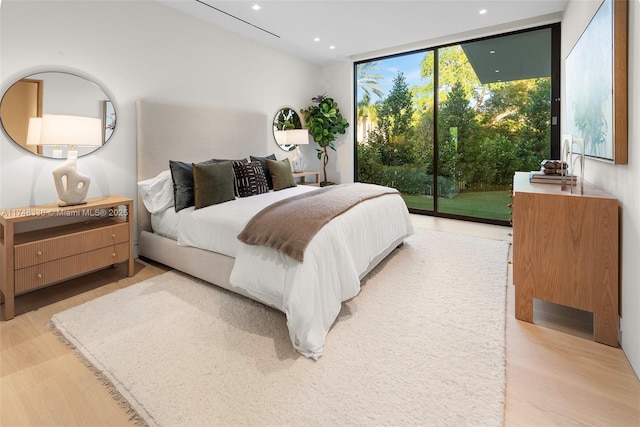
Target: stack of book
{"x": 541, "y": 177}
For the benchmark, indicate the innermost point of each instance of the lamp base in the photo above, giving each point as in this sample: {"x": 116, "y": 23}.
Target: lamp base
{"x": 71, "y": 185}
{"x": 297, "y": 162}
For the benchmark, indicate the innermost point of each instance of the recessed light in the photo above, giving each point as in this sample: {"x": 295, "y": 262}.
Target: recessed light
{"x": 256, "y": 7}
{"x": 492, "y": 51}
{"x": 332, "y": 47}
{"x": 497, "y": 71}
{"x": 317, "y": 39}
{"x": 482, "y": 11}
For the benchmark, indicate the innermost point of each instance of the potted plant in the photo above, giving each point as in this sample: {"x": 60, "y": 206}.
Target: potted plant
{"x": 324, "y": 122}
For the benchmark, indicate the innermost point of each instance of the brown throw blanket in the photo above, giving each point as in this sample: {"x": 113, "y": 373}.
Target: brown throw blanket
{"x": 289, "y": 225}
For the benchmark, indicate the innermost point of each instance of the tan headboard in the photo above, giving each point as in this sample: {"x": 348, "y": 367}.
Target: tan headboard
{"x": 193, "y": 134}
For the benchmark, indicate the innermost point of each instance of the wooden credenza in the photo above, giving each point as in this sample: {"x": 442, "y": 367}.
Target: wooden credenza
{"x": 565, "y": 251}
{"x": 34, "y": 254}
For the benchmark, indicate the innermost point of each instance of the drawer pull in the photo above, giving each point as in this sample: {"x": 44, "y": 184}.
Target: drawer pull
{"x": 39, "y": 275}
{"x": 39, "y": 253}
{"x": 113, "y": 255}
{"x": 113, "y": 235}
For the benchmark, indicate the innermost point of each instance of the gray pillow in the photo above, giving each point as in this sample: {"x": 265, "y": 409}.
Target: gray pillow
{"x": 265, "y": 168}
{"x": 182, "y": 176}
{"x": 281, "y": 174}
{"x": 212, "y": 183}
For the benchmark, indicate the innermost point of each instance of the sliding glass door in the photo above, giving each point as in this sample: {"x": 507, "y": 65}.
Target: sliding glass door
{"x": 449, "y": 126}
{"x": 395, "y": 127}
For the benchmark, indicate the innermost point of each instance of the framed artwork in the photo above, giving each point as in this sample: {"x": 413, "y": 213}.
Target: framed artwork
{"x": 596, "y": 84}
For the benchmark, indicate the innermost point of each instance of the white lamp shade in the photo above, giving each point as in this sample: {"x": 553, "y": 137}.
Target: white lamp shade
{"x": 297, "y": 136}
{"x": 281, "y": 137}
{"x": 71, "y": 130}
{"x": 34, "y": 130}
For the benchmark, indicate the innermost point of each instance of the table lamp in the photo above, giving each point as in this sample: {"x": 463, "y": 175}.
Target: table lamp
{"x": 71, "y": 185}
{"x": 297, "y": 137}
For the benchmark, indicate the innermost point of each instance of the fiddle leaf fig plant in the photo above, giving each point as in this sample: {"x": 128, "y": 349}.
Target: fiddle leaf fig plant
{"x": 324, "y": 122}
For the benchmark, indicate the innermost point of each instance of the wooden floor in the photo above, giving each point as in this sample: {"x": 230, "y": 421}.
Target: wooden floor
{"x": 556, "y": 374}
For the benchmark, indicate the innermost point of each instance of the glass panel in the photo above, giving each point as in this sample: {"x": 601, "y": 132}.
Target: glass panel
{"x": 494, "y": 118}
{"x": 493, "y": 115}
{"x": 395, "y": 126}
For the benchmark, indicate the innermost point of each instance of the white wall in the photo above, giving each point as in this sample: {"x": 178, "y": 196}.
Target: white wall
{"x": 135, "y": 49}
{"x": 337, "y": 82}
{"x": 622, "y": 181}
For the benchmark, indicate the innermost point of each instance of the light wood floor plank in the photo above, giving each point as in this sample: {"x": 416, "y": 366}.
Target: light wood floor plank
{"x": 556, "y": 374}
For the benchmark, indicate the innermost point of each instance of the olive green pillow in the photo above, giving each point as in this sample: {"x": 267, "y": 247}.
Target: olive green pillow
{"x": 213, "y": 183}
{"x": 281, "y": 174}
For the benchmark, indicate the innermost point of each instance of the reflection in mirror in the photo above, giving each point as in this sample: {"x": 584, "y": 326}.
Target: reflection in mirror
{"x": 53, "y": 93}
{"x": 286, "y": 118}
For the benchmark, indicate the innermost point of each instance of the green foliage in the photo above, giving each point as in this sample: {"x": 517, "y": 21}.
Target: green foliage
{"x": 367, "y": 80}
{"x": 485, "y": 132}
{"x": 324, "y": 121}
{"x": 395, "y": 112}
{"x": 453, "y": 67}
{"x": 286, "y": 119}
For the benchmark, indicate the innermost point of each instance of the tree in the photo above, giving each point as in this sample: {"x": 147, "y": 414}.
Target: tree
{"x": 395, "y": 112}
{"x": 537, "y": 116}
{"x": 367, "y": 81}
{"x": 453, "y": 68}
{"x": 458, "y": 126}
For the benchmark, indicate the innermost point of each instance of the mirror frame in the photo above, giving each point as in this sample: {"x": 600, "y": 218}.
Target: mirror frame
{"x": 285, "y": 118}
{"x": 106, "y": 108}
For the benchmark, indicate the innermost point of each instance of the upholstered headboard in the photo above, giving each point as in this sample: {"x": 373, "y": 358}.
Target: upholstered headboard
{"x": 193, "y": 134}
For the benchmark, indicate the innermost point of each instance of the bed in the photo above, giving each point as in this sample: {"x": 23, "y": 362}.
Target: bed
{"x": 310, "y": 292}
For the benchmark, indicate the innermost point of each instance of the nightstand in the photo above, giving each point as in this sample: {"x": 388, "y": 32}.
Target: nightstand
{"x": 301, "y": 177}
{"x": 35, "y": 254}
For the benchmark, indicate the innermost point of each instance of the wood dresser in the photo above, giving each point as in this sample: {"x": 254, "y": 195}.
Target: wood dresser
{"x": 565, "y": 251}
{"x": 35, "y": 254}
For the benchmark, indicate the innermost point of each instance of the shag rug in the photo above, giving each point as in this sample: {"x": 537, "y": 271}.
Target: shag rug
{"x": 422, "y": 344}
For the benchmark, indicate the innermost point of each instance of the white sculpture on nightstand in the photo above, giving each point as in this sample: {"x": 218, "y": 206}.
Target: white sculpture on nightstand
{"x": 71, "y": 185}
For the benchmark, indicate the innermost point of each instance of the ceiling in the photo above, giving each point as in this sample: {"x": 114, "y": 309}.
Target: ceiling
{"x": 513, "y": 57}
{"x": 361, "y": 28}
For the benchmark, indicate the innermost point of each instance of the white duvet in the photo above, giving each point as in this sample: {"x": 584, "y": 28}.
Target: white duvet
{"x": 309, "y": 293}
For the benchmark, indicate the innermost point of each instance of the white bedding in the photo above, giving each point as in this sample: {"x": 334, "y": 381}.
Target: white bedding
{"x": 166, "y": 223}
{"x": 309, "y": 293}
{"x": 216, "y": 228}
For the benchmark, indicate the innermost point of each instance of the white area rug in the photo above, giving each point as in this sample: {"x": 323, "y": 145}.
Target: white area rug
{"x": 423, "y": 344}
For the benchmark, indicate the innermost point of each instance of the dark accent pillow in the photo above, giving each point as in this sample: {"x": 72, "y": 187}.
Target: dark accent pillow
{"x": 281, "y": 174}
{"x": 250, "y": 179}
{"x": 265, "y": 168}
{"x": 182, "y": 176}
{"x": 213, "y": 183}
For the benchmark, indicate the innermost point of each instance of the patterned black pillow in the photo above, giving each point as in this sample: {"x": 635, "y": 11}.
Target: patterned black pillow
{"x": 250, "y": 179}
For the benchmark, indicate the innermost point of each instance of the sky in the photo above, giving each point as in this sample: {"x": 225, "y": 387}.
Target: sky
{"x": 409, "y": 65}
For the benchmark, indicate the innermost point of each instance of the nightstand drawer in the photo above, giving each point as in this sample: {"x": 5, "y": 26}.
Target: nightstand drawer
{"x": 41, "y": 251}
{"x": 50, "y": 272}
{"x": 37, "y": 251}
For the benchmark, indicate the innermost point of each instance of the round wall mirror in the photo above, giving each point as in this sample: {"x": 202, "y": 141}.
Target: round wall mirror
{"x": 286, "y": 118}
{"x": 32, "y": 103}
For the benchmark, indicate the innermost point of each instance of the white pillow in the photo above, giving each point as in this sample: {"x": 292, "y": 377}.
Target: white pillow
{"x": 157, "y": 192}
